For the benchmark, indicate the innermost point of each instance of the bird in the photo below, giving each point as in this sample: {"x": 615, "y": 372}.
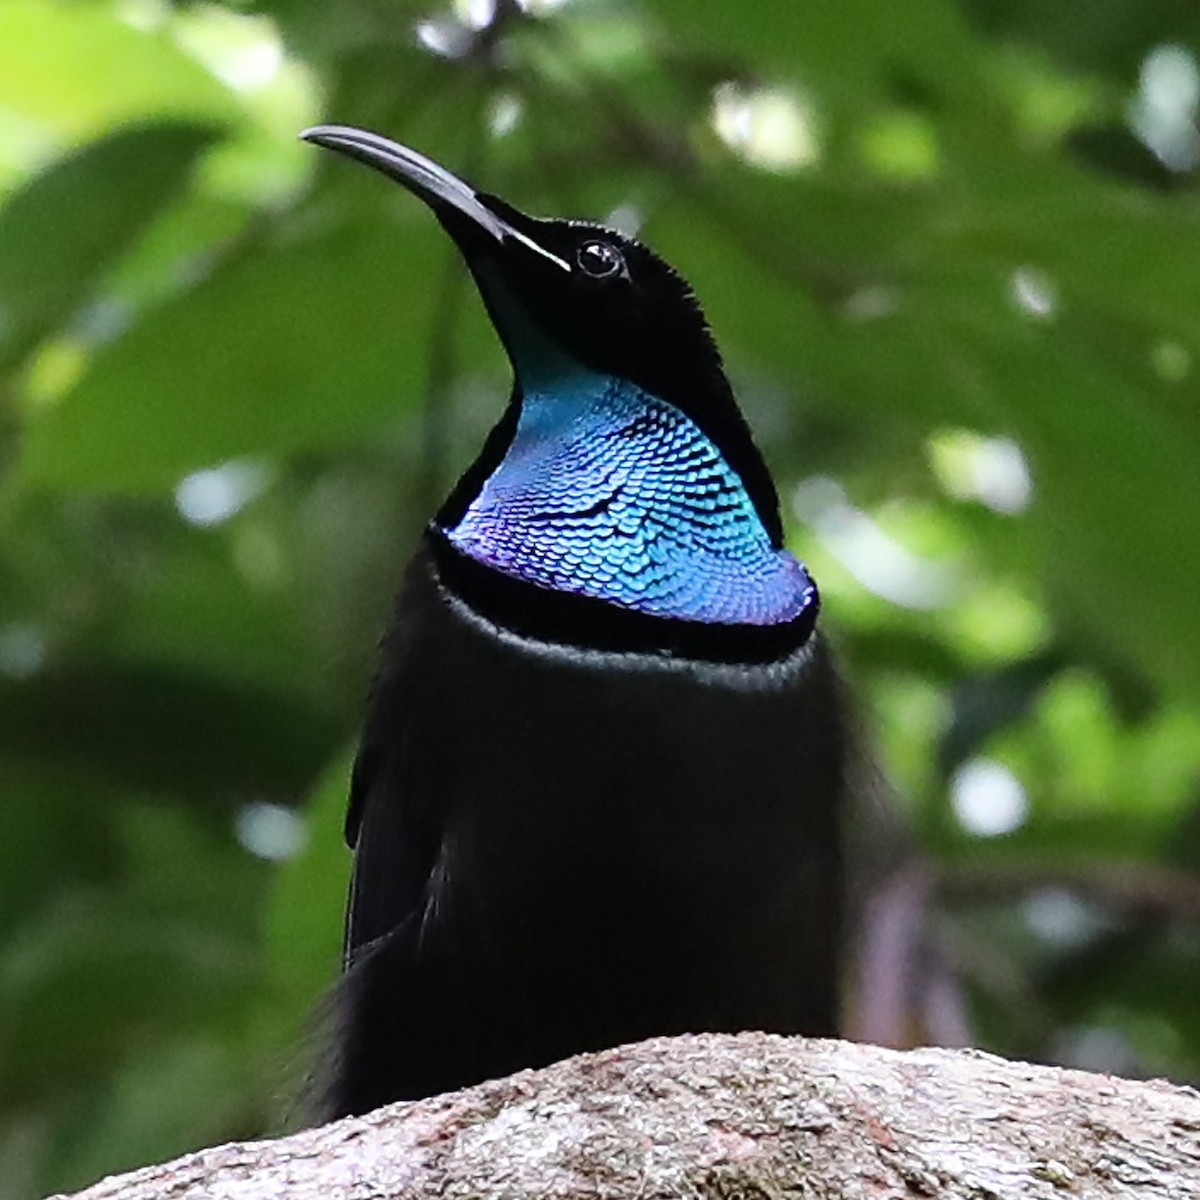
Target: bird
{"x": 599, "y": 791}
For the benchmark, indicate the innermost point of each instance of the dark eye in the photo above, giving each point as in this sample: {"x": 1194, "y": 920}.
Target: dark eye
{"x": 599, "y": 259}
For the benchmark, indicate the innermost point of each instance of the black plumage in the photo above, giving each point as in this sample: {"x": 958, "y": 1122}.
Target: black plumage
{"x": 576, "y": 821}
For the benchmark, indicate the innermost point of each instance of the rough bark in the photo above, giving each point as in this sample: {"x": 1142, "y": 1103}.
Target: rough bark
{"x": 754, "y": 1117}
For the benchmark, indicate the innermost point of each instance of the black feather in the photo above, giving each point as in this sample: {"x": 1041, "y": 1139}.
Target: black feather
{"x": 561, "y": 848}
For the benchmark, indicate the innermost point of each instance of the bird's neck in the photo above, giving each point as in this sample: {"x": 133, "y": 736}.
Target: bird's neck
{"x": 607, "y": 491}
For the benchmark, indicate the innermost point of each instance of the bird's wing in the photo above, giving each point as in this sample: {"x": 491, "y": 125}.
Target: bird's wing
{"x": 396, "y": 813}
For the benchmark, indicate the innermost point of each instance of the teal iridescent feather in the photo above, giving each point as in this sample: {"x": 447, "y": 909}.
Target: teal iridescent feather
{"x": 607, "y": 491}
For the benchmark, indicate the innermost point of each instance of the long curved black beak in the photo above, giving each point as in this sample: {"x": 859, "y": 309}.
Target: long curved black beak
{"x": 458, "y": 206}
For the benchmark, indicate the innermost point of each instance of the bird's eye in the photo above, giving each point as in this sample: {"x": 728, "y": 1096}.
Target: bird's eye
{"x": 599, "y": 259}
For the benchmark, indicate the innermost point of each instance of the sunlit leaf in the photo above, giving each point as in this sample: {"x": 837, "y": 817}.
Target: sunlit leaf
{"x": 75, "y": 69}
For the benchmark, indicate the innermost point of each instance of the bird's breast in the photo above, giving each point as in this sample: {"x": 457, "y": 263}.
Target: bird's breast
{"x": 606, "y": 810}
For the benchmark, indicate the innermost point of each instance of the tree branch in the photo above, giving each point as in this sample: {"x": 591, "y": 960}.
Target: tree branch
{"x": 756, "y": 1117}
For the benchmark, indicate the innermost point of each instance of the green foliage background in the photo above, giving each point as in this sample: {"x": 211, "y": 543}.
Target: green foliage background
{"x": 935, "y": 239}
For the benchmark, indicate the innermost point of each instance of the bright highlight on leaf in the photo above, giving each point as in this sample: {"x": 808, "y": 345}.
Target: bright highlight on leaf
{"x": 271, "y": 831}
{"x": 1033, "y": 292}
{"x": 22, "y": 651}
{"x": 1172, "y": 361}
{"x": 987, "y": 798}
{"x": 992, "y": 470}
{"x": 244, "y": 52}
{"x": 771, "y": 128}
{"x": 211, "y": 497}
{"x": 1164, "y": 112}
{"x": 1062, "y": 917}
{"x": 477, "y": 14}
{"x": 877, "y": 560}
{"x": 505, "y": 112}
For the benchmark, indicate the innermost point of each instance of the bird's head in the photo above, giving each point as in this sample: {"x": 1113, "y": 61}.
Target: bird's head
{"x": 571, "y": 295}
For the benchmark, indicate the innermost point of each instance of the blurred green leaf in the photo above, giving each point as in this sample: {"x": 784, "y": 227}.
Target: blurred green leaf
{"x": 152, "y": 728}
{"x": 289, "y": 346}
{"x": 848, "y": 48}
{"x": 77, "y": 69}
{"x": 1110, "y": 38}
{"x": 71, "y": 223}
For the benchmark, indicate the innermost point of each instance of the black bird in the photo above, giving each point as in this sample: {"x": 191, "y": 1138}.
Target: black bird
{"x": 598, "y": 793}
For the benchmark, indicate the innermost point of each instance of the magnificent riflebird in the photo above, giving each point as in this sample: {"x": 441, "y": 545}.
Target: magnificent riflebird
{"x": 599, "y": 789}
